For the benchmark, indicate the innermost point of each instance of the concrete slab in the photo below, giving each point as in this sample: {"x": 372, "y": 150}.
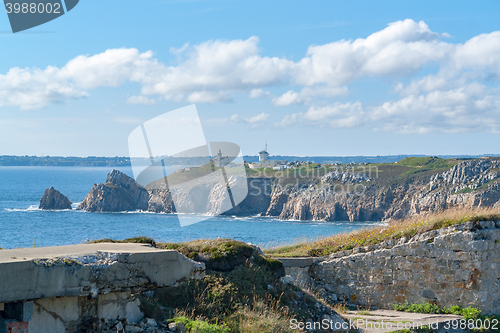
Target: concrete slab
{"x": 79, "y": 250}
{"x": 378, "y": 321}
{"x": 89, "y": 270}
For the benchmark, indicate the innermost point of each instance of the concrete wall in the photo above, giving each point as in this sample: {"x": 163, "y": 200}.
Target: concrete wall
{"x": 69, "y": 288}
{"x": 67, "y": 314}
{"x": 458, "y": 265}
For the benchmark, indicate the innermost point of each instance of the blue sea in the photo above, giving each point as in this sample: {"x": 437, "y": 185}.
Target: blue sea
{"x": 22, "y": 224}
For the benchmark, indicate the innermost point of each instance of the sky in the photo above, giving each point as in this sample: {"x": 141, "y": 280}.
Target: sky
{"x": 310, "y": 78}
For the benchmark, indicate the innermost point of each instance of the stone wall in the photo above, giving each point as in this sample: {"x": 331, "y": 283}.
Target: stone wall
{"x": 458, "y": 265}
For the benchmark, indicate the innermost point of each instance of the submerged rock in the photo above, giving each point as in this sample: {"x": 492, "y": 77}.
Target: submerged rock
{"x": 52, "y": 199}
{"x": 119, "y": 193}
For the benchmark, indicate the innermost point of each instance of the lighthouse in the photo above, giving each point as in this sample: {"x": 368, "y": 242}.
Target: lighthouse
{"x": 263, "y": 155}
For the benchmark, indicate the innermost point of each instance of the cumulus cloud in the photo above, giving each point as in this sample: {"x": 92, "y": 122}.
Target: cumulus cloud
{"x": 259, "y": 93}
{"x": 472, "y": 107}
{"x": 260, "y": 118}
{"x": 307, "y": 95}
{"x": 336, "y": 115}
{"x": 460, "y": 96}
{"x": 288, "y": 98}
{"x": 211, "y": 71}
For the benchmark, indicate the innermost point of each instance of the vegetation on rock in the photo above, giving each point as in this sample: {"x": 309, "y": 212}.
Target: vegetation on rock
{"x": 408, "y": 227}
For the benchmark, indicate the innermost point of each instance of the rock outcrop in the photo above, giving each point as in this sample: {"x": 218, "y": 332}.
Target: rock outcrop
{"x": 52, "y": 199}
{"x": 211, "y": 197}
{"x": 119, "y": 193}
{"x": 333, "y": 196}
{"x": 471, "y": 183}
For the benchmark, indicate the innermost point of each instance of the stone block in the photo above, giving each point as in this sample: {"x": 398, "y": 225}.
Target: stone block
{"x": 486, "y": 224}
{"x": 429, "y": 294}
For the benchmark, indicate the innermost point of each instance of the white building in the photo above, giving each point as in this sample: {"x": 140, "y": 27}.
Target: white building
{"x": 265, "y": 162}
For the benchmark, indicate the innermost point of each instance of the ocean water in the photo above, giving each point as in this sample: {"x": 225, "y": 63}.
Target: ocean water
{"x": 23, "y": 225}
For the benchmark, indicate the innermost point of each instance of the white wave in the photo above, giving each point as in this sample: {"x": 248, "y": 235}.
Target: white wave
{"x": 32, "y": 208}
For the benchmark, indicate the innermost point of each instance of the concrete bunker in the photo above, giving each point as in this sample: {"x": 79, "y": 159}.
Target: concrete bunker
{"x": 64, "y": 288}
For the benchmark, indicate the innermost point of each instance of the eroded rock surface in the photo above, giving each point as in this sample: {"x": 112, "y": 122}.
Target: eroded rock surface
{"x": 119, "y": 193}
{"x": 52, "y": 199}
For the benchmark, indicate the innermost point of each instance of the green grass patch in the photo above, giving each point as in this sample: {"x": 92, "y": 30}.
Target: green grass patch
{"x": 419, "y": 308}
{"x": 216, "y": 250}
{"x": 467, "y": 313}
{"x": 199, "y": 326}
{"x": 464, "y": 190}
{"x": 139, "y": 239}
{"x": 423, "y": 161}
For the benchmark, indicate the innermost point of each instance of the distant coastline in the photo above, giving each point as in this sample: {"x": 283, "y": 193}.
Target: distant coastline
{"x": 123, "y": 161}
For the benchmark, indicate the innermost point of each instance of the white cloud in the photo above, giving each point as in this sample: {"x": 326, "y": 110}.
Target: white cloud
{"x": 288, "y": 98}
{"x": 336, "y": 115}
{"x": 259, "y": 93}
{"x": 255, "y": 121}
{"x": 472, "y": 107}
{"x": 401, "y": 48}
{"x": 260, "y": 118}
{"x": 460, "y": 96}
{"x": 33, "y": 88}
{"x": 208, "y": 97}
{"x": 210, "y": 72}
{"x": 307, "y": 94}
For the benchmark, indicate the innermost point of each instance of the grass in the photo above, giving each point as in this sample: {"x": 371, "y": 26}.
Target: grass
{"x": 216, "y": 249}
{"x": 467, "y": 313}
{"x": 404, "y": 228}
{"x": 340, "y": 308}
{"x": 426, "y": 164}
{"x": 428, "y": 161}
{"x": 199, "y": 326}
{"x": 139, "y": 239}
{"x": 464, "y": 190}
{"x": 419, "y": 308}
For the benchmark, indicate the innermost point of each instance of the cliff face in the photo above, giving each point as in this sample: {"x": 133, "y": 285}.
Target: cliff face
{"x": 468, "y": 184}
{"x": 334, "y": 196}
{"x": 212, "y": 198}
{"x": 119, "y": 193}
{"x": 52, "y": 199}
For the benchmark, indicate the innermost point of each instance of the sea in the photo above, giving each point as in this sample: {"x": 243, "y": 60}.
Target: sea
{"x": 22, "y": 224}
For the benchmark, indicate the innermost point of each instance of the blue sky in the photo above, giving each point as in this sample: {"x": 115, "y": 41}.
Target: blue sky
{"x": 308, "y": 77}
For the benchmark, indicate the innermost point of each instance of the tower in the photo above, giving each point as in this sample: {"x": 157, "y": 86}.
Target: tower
{"x": 263, "y": 155}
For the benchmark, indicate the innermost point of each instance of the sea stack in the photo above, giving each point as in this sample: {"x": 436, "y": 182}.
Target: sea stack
{"x": 52, "y": 199}
{"x": 119, "y": 193}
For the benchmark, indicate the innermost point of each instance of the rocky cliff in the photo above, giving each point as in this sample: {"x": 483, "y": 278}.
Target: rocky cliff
{"x": 52, "y": 199}
{"x": 211, "y": 198}
{"x": 393, "y": 191}
{"x": 119, "y": 193}
{"x": 347, "y": 197}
